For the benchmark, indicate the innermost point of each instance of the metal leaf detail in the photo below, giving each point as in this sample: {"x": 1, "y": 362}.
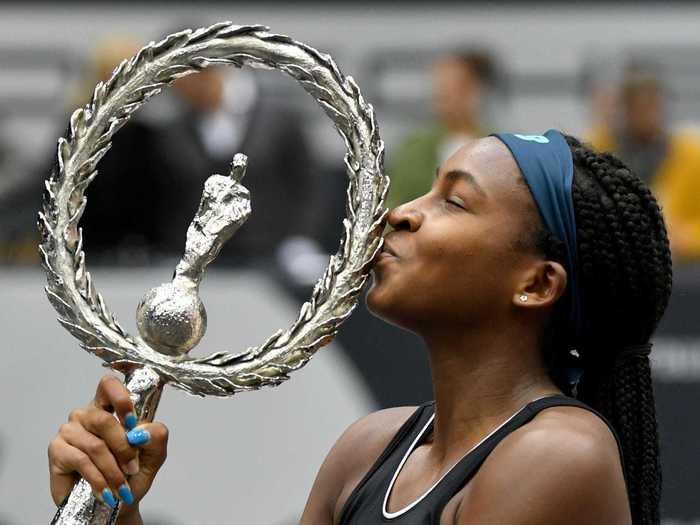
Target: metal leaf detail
{"x": 71, "y": 290}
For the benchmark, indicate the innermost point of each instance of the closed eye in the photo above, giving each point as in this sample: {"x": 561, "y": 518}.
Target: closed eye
{"x": 457, "y": 202}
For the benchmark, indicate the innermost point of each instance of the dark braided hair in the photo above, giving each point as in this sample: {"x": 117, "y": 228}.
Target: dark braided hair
{"x": 625, "y": 274}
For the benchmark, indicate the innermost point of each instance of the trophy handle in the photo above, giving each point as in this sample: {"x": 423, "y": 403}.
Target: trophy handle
{"x": 82, "y": 507}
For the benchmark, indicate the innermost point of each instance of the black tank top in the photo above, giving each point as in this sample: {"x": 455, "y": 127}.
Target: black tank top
{"x": 367, "y": 503}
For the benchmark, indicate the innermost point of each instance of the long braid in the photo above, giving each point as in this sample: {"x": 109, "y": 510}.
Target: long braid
{"x": 626, "y": 276}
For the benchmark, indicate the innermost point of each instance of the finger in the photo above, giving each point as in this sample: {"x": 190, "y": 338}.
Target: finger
{"x": 152, "y": 455}
{"x": 112, "y": 395}
{"x": 98, "y": 455}
{"x": 106, "y": 427}
{"x": 155, "y": 449}
{"x": 62, "y": 476}
{"x": 65, "y": 461}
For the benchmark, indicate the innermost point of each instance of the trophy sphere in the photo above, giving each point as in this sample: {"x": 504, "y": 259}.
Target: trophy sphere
{"x": 171, "y": 318}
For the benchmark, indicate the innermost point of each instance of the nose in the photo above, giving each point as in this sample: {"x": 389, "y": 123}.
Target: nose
{"x": 406, "y": 216}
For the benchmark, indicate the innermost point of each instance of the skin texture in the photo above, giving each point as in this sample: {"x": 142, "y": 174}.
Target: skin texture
{"x": 452, "y": 273}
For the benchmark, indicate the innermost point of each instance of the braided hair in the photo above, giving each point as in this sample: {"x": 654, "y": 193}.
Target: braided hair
{"x": 625, "y": 274}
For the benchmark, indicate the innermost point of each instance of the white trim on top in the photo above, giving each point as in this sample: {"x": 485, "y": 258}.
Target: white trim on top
{"x": 400, "y": 512}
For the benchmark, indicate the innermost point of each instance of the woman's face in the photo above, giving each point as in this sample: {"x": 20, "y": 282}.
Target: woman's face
{"x": 452, "y": 257}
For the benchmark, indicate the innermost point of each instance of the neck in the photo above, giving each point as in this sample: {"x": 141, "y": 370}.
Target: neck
{"x": 480, "y": 379}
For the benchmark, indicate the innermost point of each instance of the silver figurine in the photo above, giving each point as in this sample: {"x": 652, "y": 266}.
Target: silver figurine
{"x": 171, "y": 318}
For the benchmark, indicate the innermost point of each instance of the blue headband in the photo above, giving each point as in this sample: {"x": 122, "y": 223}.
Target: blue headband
{"x": 548, "y": 168}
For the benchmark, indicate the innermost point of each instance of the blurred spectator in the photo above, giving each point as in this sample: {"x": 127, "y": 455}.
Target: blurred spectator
{"x": 602, "y": 85}
{"x": 118, "y": 223}
{"x": 151, "y": 180}
{"x": 216, "y": 116}
{"x": 667, "y": 159}
{"x": 460, "y": 84}
{"x": 4, "y": 157}
{"x": 3, "y": 153}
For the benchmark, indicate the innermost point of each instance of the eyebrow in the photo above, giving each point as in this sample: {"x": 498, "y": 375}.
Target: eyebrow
{"x": 465, "y": 176}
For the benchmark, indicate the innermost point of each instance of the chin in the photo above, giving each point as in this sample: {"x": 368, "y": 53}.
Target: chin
{"x": 377, "y": 297}
{"x": 385, "y": 303}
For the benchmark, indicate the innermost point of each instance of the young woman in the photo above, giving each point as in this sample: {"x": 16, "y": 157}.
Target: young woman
{"x": 535, "y": 270}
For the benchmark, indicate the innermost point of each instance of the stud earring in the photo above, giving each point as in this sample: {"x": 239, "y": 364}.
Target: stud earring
{"x": 523, "y": 298}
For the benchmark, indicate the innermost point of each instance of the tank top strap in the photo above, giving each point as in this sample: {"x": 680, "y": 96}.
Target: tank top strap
{"x": 408, "y": 432}
{"x": 367, "y": 502}
{"x": 562, "y": 400}
{"x": 467, "y": 467}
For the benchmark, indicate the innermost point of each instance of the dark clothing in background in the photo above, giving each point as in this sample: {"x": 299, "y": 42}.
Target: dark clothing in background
{"x": 644, "y": 159}
{"x": 278, "y": 177}
{"x": 150, "y": 182}
{"x": 119, "y": 217}
{"x": 119, "y": 214}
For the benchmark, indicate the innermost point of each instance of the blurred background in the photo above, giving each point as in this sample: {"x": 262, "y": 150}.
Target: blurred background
{"x": 625, "y": 77}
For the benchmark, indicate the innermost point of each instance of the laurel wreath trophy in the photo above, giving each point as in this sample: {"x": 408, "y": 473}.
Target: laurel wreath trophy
{"x": 171, "y": 318}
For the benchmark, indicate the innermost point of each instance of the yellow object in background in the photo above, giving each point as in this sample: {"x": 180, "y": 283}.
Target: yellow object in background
{"x": 676, "y": 185}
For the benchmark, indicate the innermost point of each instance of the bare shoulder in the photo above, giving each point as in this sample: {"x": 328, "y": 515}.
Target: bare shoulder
{"x": 353, "y": 454}
{"x": 579, "y": 431}
{"x": 373, "y": 431}
{"x": 359, "y": 447}
{"x": 566, "y": 455}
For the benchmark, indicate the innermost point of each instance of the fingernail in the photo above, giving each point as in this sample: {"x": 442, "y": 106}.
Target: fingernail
{"x": 137, "y": 436}
{"x": 130, "y": 420}
{"x": 108, "y": 498}
{"x": 125, "y": 494}
{"x": 132, "y": 467}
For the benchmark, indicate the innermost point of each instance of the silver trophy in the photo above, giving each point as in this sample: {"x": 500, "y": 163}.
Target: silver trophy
{"x": 171, "y": 318}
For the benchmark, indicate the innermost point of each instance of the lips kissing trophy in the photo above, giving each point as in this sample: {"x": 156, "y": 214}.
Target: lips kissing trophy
{"x": 171, "y": 318}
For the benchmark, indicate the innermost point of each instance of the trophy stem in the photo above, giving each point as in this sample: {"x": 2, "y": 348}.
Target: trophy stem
{"x": 82, "y": 507}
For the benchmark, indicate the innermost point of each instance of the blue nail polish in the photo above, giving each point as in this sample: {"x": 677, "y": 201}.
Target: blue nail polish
{"x": 137, "y": 436}
{"x": 130, "y": 420}
{"x": 109, "y": 498}
{"x": 125, "y": 494}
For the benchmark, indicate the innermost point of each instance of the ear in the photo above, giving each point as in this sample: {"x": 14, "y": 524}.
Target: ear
{"x": 543, "y": 284}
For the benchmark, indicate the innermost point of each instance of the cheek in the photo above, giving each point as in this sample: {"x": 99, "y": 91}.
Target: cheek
{"x": 427, "y": 285}
{"x": 469, "y": 273}
{"x": 452, "y": 273}
{"x": 385, "y": 297}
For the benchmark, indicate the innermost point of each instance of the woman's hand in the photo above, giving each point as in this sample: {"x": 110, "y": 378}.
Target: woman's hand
{"x": 96, "y": 446}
